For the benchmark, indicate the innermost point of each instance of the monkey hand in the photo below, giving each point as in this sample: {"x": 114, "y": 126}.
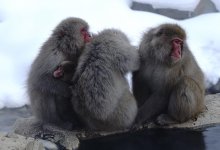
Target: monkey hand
{"x": 164, "y": 120}
{"x": 138, "y": 124}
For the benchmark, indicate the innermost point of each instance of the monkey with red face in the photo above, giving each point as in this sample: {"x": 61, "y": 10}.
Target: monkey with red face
{"x": 49, "y": 95}
{"x": 169, "y": 86}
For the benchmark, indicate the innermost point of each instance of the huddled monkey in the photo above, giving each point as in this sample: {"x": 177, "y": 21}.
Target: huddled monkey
{"x": 101, "y": 95}
{"x": 49, "y": 95}
{"x": 169, "y": 86}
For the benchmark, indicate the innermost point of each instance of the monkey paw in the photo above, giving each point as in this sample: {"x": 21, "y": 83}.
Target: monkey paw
{"x": 164, "y": 120}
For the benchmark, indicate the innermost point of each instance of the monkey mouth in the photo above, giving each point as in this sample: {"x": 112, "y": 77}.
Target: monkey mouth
{"x": 175, "y": 58}
{"x": 176, "y": 51}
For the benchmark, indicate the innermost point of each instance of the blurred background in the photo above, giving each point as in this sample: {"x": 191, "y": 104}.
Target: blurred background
{"x": 26, "y": 24}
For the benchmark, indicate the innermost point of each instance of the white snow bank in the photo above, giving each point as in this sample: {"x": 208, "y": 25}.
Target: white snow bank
{"x": 204, "y": 41}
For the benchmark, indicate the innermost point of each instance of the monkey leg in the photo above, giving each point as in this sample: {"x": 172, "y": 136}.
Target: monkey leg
{"x": 45, "y": 109}
{"x": 152, "y": 107}
{"x": 125, "y": 112}
{"x": 122, "y": 116}
{"x": 186, "y": 102}
{"x": 66, "y": 114}
{"x": 165, "y": 119}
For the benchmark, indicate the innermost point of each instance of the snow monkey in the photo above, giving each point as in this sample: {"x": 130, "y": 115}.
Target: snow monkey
{"x": 50, "y": 97}
{"x": 103, "y": 99}
{"x": 169, "y": 86}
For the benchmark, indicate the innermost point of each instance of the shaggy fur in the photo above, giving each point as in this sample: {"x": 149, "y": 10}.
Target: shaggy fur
{"x": 103, "y": 99}
{"x": 50, "y": 97}
{"x": 161, "y": 85}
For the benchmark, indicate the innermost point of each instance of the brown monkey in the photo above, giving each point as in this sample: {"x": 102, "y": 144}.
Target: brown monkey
{"x": 50, "y": 97}
{"x": 101, "y": 93}
{"x": 169, "y": 82}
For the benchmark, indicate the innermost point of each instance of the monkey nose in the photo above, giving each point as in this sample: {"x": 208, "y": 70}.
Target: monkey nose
{"x": 177, "y": 40}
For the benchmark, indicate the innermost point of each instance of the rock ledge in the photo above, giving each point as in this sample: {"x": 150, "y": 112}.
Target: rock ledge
{"x": 35, "y": 136}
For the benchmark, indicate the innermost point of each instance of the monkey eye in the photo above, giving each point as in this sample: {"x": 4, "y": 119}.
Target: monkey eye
{"x": 83, "y": 30}
{"x": 159, "y": 33}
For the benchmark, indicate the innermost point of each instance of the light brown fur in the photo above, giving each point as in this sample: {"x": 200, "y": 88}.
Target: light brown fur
{"x": 167, "y": 90}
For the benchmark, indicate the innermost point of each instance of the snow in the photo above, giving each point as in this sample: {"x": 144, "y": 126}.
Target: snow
{"x": 184, "y": 5}
{"x": 26, "y": 24}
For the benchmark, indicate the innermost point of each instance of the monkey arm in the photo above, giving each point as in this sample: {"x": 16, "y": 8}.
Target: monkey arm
{"x": 127, "y": 60}
{"x": 46, "y": 83}
{"x": 187, "y": 100}
{"x": 152, "y": 107}
{"x": 68, "y": 66}
{"x": 141, "y": 88}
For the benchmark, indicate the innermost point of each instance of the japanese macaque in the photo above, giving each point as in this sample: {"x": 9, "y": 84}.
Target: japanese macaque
{"x": 169, "y": 86}
{"x": 50, "y": 96}
{"x": 101, "y": 95}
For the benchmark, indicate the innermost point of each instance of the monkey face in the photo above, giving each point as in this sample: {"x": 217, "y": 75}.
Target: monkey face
{"x": 167, "y": 43}
{"x": 71, "y": 35}
{"x": 177, "y": 49}
{"x": 85, "y": 34}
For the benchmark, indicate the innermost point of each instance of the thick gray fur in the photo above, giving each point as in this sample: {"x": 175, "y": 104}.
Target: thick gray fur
{"x": 175, "y": 90}
{"x": 103, "y": 99}
{"x": 68, "y": 68}
{"x": 50, "y": 97}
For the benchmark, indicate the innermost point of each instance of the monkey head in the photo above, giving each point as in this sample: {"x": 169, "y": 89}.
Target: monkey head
{"x": 165, "y": 44}
{"x": 105, "y": 34}
{"x": 71, "y": 35}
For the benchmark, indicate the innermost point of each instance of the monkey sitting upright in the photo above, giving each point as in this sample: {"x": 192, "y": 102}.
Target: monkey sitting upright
{"x": 169, "y": 82}
{"x": 101, "y": 95}
{"x": 49, "y": 96}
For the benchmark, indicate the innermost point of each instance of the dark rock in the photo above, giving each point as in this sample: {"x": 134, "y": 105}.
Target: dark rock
{"x": 174, "y": 13}
{"x": 204, "y": 6}
{"x": 142, "y": 7}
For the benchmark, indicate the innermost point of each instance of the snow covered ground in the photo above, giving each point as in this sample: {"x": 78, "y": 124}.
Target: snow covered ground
{"x": 26, "y": 24}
